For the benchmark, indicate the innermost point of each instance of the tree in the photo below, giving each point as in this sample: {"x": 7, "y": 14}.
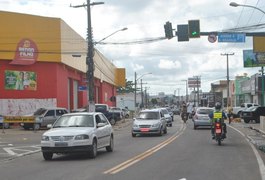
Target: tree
{"x": 128, "y": 88}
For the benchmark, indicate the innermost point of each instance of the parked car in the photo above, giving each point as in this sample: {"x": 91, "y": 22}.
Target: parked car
{"x": 149, "y": 122}
{"x": 117, "y": 110}
{"x": 253, "y": 113}
{"x": 237, "y": 111}
{"x": 112, "y": 116}
{"x": 84, "y": 132}
{"x": 126, "y": 112}
{"x": 43, "y": 117}
{"x": 201, "y": 117}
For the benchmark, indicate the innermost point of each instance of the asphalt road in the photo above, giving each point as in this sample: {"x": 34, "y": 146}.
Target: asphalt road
{"x": 183, "y": 153}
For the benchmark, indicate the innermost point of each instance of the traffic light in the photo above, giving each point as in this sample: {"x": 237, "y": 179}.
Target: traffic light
{"x": 168, "y": 30}
{"x": 194, "y": 28}
{"x": 183, "y": 32}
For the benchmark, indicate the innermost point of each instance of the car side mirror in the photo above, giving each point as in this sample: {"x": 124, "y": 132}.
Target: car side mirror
{"x": 49, "y": 126}
{"x": 100, "y": 125}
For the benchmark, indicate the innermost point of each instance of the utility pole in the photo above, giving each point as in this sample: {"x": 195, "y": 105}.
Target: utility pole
{"x": 89, "y": 58}
{"x": 227, "y": 75}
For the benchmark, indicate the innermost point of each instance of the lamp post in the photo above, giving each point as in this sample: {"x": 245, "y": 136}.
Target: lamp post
{"x": 89, "y": 58}
{"x": 227, "y": 75}
{"x": 135, "y": 87}
{"x": 233, "y": 4}
{"x": 123, "y": 29}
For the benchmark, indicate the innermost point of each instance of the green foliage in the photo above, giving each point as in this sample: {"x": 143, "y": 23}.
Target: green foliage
{"x": 127, "y": 89}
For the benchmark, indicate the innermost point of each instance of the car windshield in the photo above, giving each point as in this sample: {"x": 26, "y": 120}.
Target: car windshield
{"x": 39, "y": 111}
{"x": 204, "y": 111}
{"x": 74, "y": 121}
{"x": 100, "y": 108}
{"x": 148, "y": 115}
{"x": 252, "y": 108}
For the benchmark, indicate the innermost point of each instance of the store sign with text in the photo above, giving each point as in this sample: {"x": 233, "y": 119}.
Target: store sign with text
{"x": 26, "y": 53}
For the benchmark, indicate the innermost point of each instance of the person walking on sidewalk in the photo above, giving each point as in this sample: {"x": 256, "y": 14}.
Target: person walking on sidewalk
{"x": 230, "y": 113}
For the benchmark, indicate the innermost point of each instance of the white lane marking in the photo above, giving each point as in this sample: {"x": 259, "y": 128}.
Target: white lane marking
{"x": 259, "y": 159}
{"x": 183, "y": 179}
{"x": 145, "y": 154}
{"x": 11, "y": 150}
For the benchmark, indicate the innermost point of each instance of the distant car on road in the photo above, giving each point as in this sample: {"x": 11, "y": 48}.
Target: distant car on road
{"x": 149, "y": 122}
{"x": 253, "y": 113}
{"x": 201, "y": 117}
{"x": 84, "y": 132}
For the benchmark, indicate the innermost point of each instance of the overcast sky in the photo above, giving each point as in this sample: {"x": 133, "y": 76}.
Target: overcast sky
{"x": 169, "y": 61}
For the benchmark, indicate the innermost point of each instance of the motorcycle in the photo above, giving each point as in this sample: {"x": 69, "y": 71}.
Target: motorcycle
{"x": 184, "y": 117}
{"x": 219, "y": 135}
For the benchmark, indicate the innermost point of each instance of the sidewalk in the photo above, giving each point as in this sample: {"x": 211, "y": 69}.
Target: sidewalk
{"x": 252, "y": 131}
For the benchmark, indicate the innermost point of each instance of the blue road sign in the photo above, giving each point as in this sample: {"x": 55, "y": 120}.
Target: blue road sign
{"x": 82, "y": 88}
{"x": 231, "y": 37}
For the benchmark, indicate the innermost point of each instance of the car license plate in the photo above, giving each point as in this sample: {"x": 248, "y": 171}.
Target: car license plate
{"x": 61, "y": 144}
{"x": 218, "y": 130}
{"x": 144, "y": 129}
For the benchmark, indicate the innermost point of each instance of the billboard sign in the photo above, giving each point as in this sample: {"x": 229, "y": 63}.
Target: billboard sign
{"x": 252, "y": 59}
{"x": 194, "y": 82}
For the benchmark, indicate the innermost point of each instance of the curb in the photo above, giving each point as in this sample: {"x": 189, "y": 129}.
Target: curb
{"x": 259, "y": 141}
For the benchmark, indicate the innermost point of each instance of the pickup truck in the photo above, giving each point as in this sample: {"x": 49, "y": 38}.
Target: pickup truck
{"x": 111, "y": 115}
{"x": 237, "y": 110}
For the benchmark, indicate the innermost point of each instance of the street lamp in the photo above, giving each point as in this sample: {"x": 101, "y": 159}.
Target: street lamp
{"x": 123, "y": 29}
{"x": 233, "y": 4}
{"x": 90, "y": 54}
{"x": 135, "y": 85}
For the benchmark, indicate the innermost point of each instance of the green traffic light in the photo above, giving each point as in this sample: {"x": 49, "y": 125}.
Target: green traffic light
{"x": 194, "y": 33}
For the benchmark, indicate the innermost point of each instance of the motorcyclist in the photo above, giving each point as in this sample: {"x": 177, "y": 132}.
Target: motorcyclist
{"x": 213, "y": 119}
{"x": 184, "y": 111}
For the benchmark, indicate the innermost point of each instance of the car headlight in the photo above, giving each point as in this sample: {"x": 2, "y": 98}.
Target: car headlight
{"x": 135, "y": 125}
{"x": 156, "y": 125}
{"x": 45, "y": 138}
{"x": 81, "y": 137}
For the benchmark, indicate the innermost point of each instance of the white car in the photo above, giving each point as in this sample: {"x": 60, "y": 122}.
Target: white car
{"x": 149, "y": 122}
{"x": 84, "y": 132}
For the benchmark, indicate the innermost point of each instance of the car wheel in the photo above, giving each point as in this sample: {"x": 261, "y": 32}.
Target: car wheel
{"x": 246, "y": 120}
{"x": 111, "y": 145}
{"x": 36, "y": 126}
{"x": 160, "y": 132}
{"x": 6, "y": 125}
{"x": 112, "y": 121}
{"x": 133, "y": 135}
{"x": 92, "y": 153}
{"x": 127, "y": 116}
{"x": 170, "y": 125}
{"x": 257, "y": 120}
{"x": 47, "y": 155}
{"x": 165, "y": 130}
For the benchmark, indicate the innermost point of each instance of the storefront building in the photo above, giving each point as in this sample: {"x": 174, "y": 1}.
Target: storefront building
{"x": 43, "y": 64}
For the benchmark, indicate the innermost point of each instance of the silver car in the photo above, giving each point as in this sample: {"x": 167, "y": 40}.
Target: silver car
{"x": 201, "y": 117}
{"x": 149, "y": 122}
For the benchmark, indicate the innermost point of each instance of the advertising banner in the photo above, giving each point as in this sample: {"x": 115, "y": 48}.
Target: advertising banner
{"x": 20, "y": 80}
{"x": 252, "y": 59}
